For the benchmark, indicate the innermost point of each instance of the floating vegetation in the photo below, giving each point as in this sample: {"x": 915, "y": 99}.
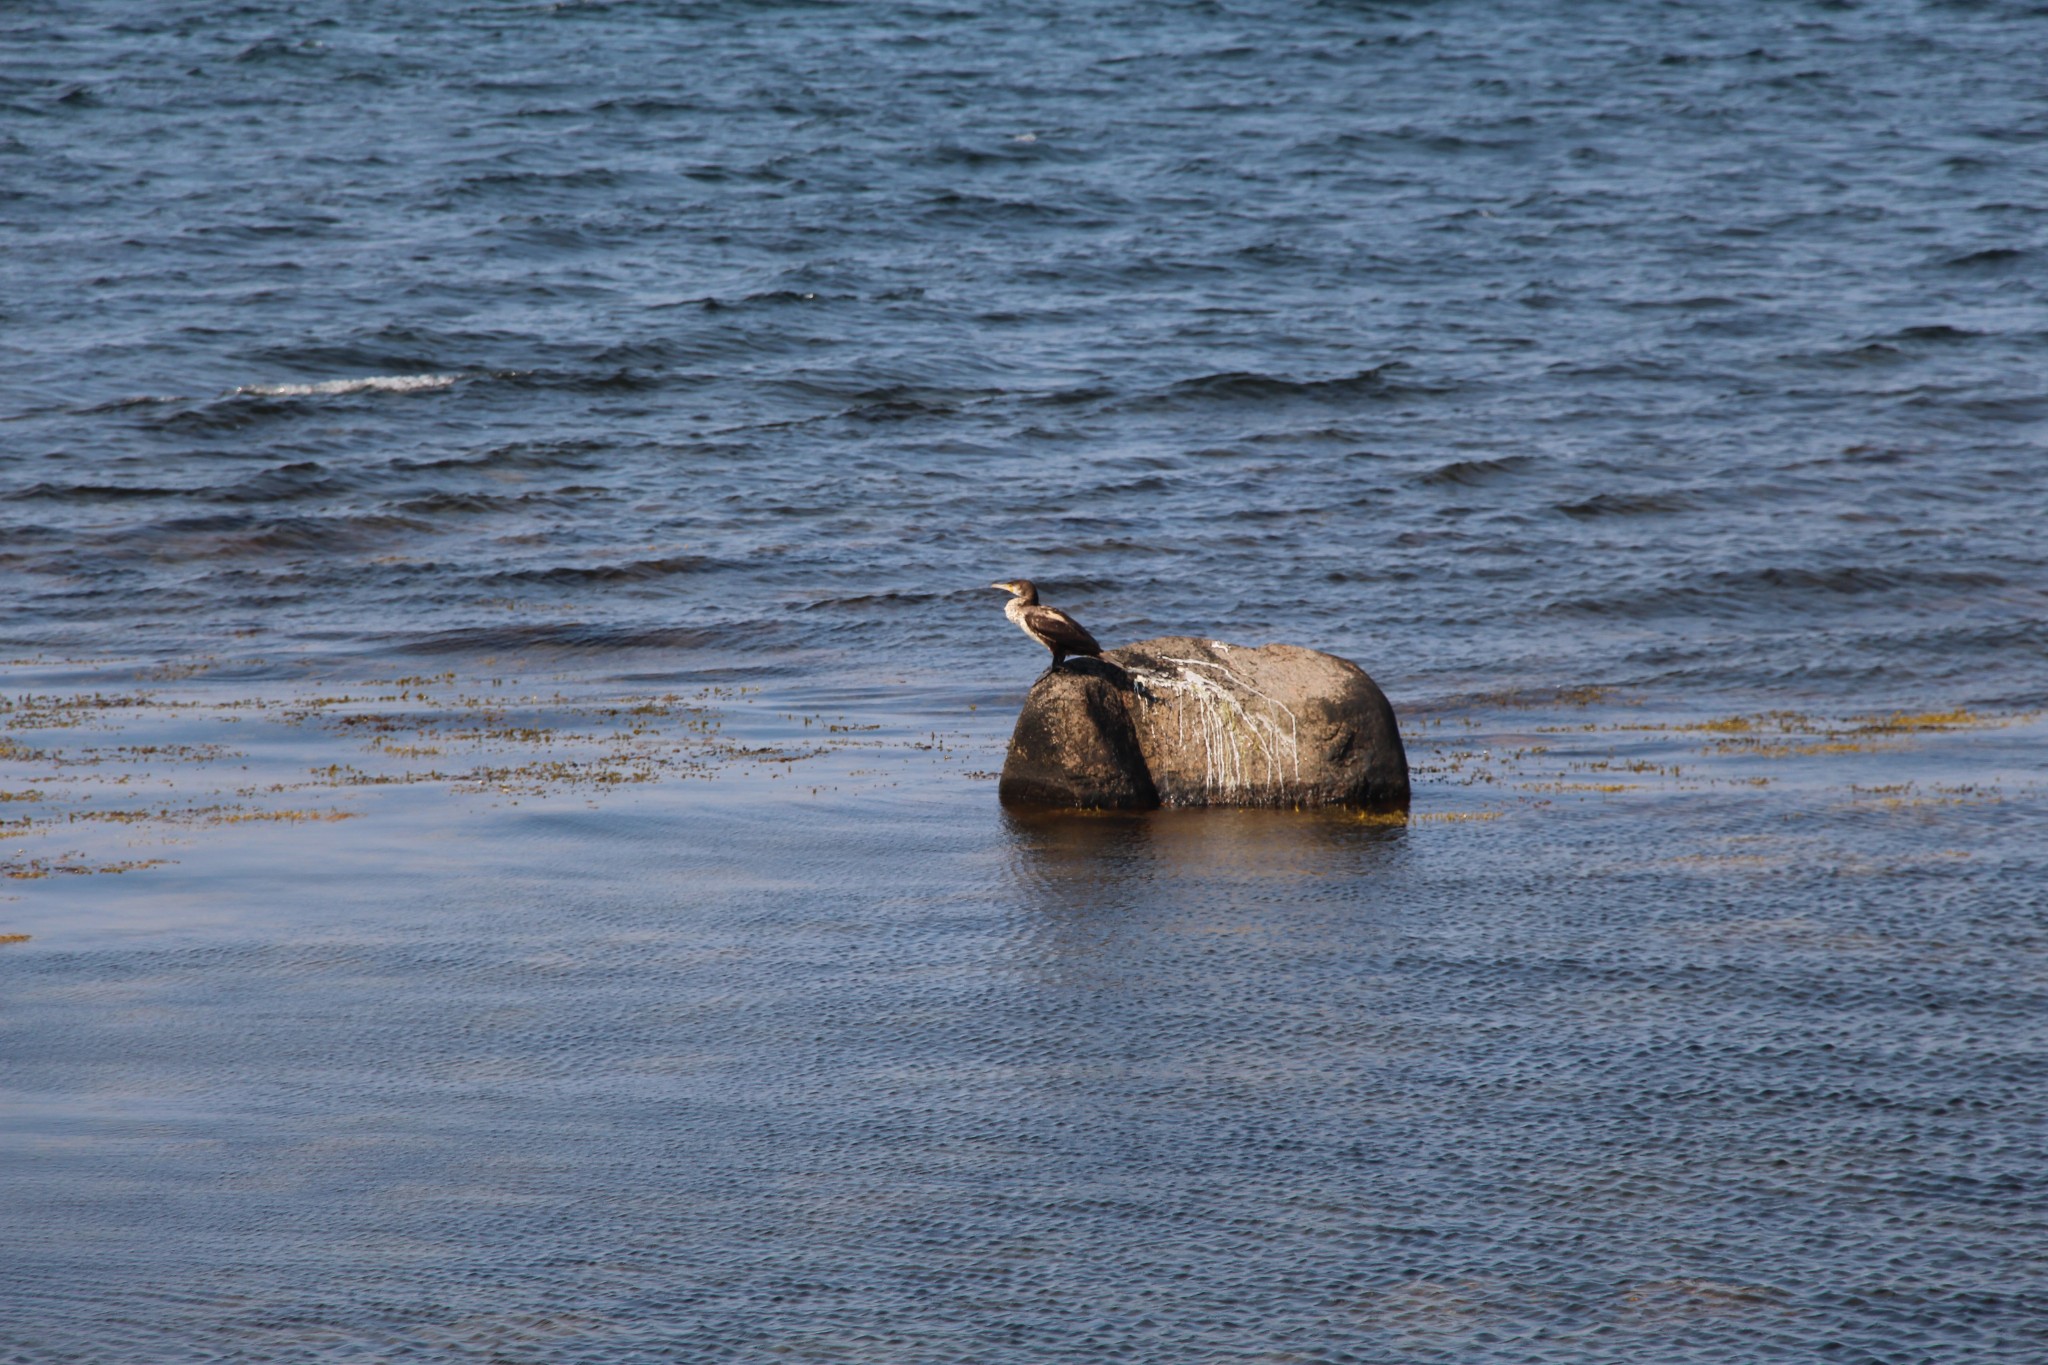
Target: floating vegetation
{"x": 1899, "y": 722}
{"x": 1558, "y": 763}
{"x": 122, "y": 773}
{"x": 30, "y": 711}
{"x": 1541, "y": 698}
{"x": 146, "y": 766}
{"x": 1422, "y": 817}
{"x": 1903, "y": 796}
{"x": 1790, "y": 734}
{"x": 35, "y": 869}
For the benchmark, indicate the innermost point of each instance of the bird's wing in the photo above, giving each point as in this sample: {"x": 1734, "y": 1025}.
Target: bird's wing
{"x": 1061, "y": 629}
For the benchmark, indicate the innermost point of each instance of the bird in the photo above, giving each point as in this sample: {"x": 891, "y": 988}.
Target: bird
{"x": 1050, "y": 626}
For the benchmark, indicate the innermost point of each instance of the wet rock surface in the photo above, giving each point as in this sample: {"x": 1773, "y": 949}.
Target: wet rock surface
{"x": 1181, "y": 721}
{"x": 1076, "y": 743}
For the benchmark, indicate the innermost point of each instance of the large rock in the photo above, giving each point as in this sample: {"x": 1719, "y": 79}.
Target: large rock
{"x": 1075, "y": 744}
{"x": 1184, "y": 722}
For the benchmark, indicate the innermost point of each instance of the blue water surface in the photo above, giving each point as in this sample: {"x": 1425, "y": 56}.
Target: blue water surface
{"x": 1692, "y": 352}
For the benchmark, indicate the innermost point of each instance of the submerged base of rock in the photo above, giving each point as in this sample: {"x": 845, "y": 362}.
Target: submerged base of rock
{"x": 1179, "y": 721}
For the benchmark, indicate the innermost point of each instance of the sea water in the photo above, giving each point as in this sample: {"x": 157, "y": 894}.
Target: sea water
{"x": 502, "y": 697}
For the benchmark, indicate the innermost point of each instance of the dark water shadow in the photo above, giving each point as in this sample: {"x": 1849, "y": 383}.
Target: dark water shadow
{"x": 1164, "y": 864}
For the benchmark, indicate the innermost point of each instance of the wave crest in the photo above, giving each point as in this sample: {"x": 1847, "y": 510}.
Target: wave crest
{"x": 384, "y": 383}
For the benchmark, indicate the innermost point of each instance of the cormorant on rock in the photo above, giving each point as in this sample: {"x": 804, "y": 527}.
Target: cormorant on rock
{"x": 1050, "y": 626}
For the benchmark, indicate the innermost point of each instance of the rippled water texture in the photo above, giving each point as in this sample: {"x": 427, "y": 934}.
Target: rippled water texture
{"x": 1692, "y": 346}
{"x": 494, "y": 508}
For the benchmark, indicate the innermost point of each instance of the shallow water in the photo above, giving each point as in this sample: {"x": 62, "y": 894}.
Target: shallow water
{"x": 500, "y": 700}
{"x": 449, "y": 1023}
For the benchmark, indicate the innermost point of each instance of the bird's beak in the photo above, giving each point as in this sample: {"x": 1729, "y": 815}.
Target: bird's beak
{"x": 1004, "y": 586}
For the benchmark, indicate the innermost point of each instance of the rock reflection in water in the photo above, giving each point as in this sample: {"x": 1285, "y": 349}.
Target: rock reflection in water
{"x": 1138, "y": 864}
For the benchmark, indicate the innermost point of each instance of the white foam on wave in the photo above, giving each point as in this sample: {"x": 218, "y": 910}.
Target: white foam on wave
{"x": 387, "y": 383}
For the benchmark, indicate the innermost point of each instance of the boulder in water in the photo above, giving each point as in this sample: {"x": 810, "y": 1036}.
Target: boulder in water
{"x": 1179, "y": 721}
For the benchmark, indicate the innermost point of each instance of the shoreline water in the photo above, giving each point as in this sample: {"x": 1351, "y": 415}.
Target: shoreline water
{"x": 748, "y": 1021}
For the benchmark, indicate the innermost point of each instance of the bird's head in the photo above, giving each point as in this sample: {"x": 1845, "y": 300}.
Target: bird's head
{"x": 1018, "y": 587}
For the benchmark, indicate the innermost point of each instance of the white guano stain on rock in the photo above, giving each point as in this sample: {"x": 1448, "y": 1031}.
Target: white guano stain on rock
{"x": 1241, "y": 747}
